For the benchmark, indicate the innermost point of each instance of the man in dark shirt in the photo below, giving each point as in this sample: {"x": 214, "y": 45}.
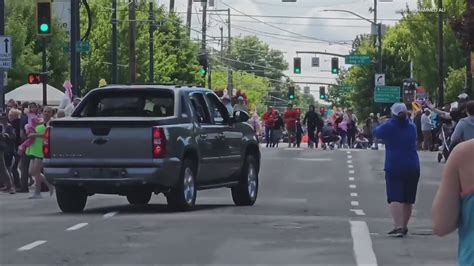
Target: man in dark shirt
{"x": 314, "y": 123}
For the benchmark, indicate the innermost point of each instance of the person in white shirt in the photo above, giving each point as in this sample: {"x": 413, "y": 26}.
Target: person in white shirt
{"x": 426, "y": 127}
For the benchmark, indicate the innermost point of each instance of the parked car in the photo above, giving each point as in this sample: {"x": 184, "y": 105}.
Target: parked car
{"x": 143, "y": 139}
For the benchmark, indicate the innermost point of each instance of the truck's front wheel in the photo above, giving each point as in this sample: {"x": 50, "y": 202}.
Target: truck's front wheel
{"x": 245, "y": 194}
{"x": 71, "y": 199}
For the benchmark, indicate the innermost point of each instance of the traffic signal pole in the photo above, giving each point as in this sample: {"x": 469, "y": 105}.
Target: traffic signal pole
{"x": 45, "y": 73}
{"x": 114, "y": 42}
{"x": 151, "y": 44}
{"x": 203, "y": 38}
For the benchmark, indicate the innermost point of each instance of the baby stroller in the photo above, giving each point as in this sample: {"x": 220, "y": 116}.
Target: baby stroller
{"x": 445, "y": 137}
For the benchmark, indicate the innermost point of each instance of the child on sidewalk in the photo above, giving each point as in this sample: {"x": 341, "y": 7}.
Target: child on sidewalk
{"x": 33, "y": 121}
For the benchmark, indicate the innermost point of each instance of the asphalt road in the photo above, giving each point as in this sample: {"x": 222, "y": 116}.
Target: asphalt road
{"x": 314, "y": 207}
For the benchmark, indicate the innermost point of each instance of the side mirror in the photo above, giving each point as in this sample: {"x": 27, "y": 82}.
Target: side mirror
{"x": 241, "y": 116}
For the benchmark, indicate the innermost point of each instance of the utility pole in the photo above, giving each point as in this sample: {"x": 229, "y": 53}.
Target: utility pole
{"x": 151, "y": 43}
{"x": 78, "y": 54}
{"x": 73, "y": 40}
{"x": 222, "y": 44}
{"x": 440, "y": 55}
{"x": 469, "y": 88}
{"x": 203, "y": 38}
{"x": 375, "y": 19}
{"x": 171, "y": 6}
{"x": 188, "y": 17}
{"x": 114, "y": 42}
{"x": 2, "y": 73}
{"x": 379, "y": 34}
{"x": 230, "y": 79}
{"x": 132, "y": 29}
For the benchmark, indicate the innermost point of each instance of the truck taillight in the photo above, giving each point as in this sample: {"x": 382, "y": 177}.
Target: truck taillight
{"x": 159, "y": 142}
{"x": 46, "y": 141}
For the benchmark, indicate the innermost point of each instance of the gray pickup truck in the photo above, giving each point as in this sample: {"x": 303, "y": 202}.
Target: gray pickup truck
{"x": 143, "y": 139}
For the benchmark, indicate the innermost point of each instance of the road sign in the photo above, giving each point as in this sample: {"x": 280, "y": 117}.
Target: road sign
{"x": 379, "y": 79}
{"x": 306, "y": 90}
{"x": 5, "y": 52}
{"x": 344, "y": 88}
{"x": 358, "y": 59}
{"x": 315, "y": 62}
{"x": 386, "y": 94}
{"x": 81, "y": 47}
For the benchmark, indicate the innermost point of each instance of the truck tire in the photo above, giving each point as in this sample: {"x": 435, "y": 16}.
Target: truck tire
{"x": 139, "y": 197}
{"x": 71, "y": 199}
{"x": 182, "y": 196}
{"x": 245, "y": 193}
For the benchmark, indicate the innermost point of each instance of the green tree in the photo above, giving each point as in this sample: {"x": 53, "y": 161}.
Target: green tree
{"x": 174, "y": 53}
{"x": 455, "y": 83}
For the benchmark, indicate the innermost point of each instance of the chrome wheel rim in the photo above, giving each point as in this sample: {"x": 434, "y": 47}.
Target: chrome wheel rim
{"x": 188, "y": 186}
{"x": 252, "y": 181}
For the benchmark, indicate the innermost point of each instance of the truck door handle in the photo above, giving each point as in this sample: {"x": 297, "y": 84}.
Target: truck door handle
{"x": 203, "y": 136}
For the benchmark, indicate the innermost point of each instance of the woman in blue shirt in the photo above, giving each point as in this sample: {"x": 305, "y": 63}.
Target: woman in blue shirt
{"x": 402, "y": 166}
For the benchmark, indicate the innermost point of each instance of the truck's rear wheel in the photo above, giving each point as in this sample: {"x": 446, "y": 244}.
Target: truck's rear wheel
{"x": 245, "y": 194}
{"x": 71, "y": 199}
{"x": 139, "y": 197}
{"x": 182, "y": 196}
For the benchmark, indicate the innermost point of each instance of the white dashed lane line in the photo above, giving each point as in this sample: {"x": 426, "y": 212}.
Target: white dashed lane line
{"x": 351, "y": 172}
{"x": 76, "y": 227}
{"x": 110, "y": 215}
{"x": 352, "y": 186}
{"x": 351, "y": 178}
{"x": 349, "y": 161}
{"x": 354, "y": 194}
{"x": 32, "y": 245}
{"x": 349, "y": 156}
{"x": 350, "y": 166}
{"x": 354, "y": 203}
{"x": 358, "y": 212}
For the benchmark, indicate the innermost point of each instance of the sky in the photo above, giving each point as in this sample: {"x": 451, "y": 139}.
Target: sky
{"x": 327, "y": 26}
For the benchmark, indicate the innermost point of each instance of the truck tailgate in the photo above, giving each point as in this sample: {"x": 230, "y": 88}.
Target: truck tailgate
{"x": 101, "y": 143}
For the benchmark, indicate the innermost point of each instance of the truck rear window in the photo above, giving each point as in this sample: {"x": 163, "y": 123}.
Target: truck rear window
{"x": 130, "y": 103}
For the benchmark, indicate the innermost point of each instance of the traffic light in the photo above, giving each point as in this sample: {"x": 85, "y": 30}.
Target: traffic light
{"x": 43, "y": 17}
{"x": 291, "y": 93}
{"x": 35, "y": 78}
{"x": 322, "y": 93}
{"x": 297, "y": 65}
{"x": 335, "y": 65}
{"x": 202, "y": 58}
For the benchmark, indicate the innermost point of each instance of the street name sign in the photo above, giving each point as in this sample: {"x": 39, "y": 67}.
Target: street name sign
{"x": 386, "y": 94}
{"x": 5, "y": 52}
{"x": 81, "y": 47}
{"x": 358, "y": 59}
{"x": 344, "y": 88}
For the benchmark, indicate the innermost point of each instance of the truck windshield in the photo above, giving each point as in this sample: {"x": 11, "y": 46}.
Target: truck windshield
{"x": 129, "y": 103}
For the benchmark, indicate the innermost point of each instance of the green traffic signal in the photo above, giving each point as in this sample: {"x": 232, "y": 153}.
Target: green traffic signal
{"x": 292, "y": 97}
{"x": 202, "y": 72}
{"x": 44, "y": 27}
{"x": 322, "y": 97}
{"x": 297, "y": 71}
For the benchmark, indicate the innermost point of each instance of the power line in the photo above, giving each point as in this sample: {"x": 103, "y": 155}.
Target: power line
{"x": 273, "y": 26}
{"x": 302, "y": 24}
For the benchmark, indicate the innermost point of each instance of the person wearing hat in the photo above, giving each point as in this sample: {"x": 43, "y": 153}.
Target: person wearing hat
{"x": 402, "y": 166}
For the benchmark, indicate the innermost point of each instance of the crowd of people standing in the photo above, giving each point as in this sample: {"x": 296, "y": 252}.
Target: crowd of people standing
{"x": 22, "y": 128}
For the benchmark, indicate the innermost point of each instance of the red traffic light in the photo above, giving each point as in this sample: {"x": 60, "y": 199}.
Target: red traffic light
{"x": 35, "y": 78}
